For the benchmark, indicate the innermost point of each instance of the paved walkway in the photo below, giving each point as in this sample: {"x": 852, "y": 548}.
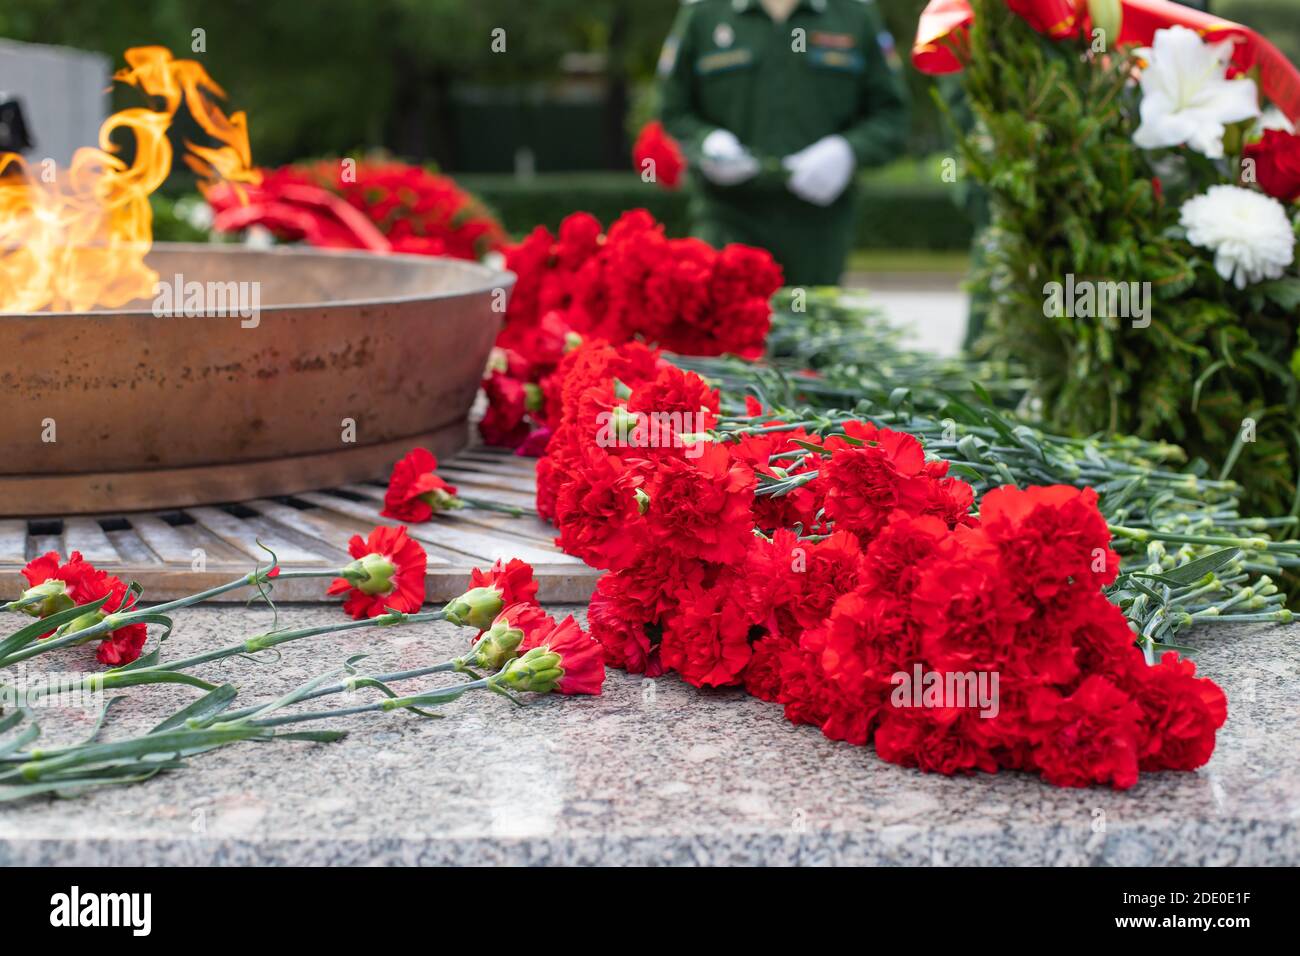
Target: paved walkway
{"x": 931, "y": 307}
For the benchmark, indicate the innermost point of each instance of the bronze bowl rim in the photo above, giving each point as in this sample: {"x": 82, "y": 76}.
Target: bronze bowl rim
{"x": 495, "y": 278}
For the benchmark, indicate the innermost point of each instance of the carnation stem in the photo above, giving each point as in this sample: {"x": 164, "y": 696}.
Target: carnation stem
{"x": 439, "y": 696}
{"x": 147, "y": 615}
{"x": 482, "y": 504}
{"x": 270, "y": 639}
{"x": 1146, "y": 535}
{"x": 129, "y": 676}
{"x": 456, "y": 664}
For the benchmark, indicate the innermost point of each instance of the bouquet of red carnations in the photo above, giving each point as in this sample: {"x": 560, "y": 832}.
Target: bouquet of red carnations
{"x": 830, "y": 567}
{"x": 380, "y": 206}
{"x": 629, "y": 282}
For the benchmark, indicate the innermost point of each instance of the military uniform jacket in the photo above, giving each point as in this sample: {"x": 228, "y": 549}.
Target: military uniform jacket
{"x": 780, "y": 87}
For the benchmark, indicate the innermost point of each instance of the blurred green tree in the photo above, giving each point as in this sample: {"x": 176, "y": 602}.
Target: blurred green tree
{"x": 332, "y": 76}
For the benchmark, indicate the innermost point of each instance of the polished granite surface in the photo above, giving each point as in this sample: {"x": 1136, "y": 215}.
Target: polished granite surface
{"x": 652, "y": 772}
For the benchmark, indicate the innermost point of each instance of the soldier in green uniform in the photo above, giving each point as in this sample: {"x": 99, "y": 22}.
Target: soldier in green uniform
{"x": 777, "y": 103}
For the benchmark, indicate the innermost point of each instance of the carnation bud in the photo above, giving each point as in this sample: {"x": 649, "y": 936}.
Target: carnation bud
{"x": 642, "y": 501}
{"x": 371, "y": 575}
{"x": 477, "y": 608}
{"x": 624, "y": 423}
{"x": 538, "y": 671}
{"x": 621, "y": 390}
{"x": 1107, "y": 15}
{"x": 87, "y": 620}
{"x": 48, "y": 597}
{"x": 497, "y": 645}
{"x": 572, "y": 340}
{"x": 497, "y": 361}
{"x": 533, "y": 397}
{"x": 441, "y": 500}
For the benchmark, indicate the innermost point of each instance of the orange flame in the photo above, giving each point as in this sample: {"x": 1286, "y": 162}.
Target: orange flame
{"x": 75, "y": 239}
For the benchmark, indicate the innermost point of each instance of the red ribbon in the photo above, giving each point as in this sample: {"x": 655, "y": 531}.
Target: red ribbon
{"x": 317, "y": 215}
{"x": 941, "y": 37}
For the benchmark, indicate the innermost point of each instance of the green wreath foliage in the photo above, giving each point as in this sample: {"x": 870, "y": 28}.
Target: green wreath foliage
{"x": 1069, "y": 193}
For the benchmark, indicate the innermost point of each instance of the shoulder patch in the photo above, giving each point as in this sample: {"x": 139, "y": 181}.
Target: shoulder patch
{"x": 668, "y": 55}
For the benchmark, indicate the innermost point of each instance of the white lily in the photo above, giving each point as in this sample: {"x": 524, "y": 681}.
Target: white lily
{"x": 1186, "y": 95}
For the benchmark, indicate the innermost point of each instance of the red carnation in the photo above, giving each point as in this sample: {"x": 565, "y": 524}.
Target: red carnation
{"x": 866, "y": 483}
{"x": 500, "y": 642}
{"x": 968, "y": 615}
{"x": 79, "y": 582}
{"x": 580, "y": 660}
{"x": 504, "y": 424}
{"x": 706, "y": 640}
{"x": 387, "y": 575}
{"x": 798, "y": 506}
{"x": 764, "y": 673}
{"x": 894, "y": 558}
{"x": 415, "y": 492}
{"x": 1086, "y": 738}
{"x": 1277, "y": 164}
{"x": 383, "y": 207}
{"x": 659, "y": 154}
{"x": 867, "y": 638}
{"x": 595, "y": 510}
{"x": 513, "y": 580}
{"x": 934, "y": 739}
{"x": 810, "y": 696}
{"x": 683, "y": 397}
{"x": 699, "y": 506}
{"x": 630, "y": 605}
{"x": 1180, "y": 714}
{"x": 1053, "y": 538}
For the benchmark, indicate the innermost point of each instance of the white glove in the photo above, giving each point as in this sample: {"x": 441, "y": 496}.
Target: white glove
{"x": 725, "y": 160}
{"x": 821, "y": 172}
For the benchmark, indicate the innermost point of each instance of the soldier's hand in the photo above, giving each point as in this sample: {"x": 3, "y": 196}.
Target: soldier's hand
{"x": 725, "y": 160}
{"x": 821, "y": 172}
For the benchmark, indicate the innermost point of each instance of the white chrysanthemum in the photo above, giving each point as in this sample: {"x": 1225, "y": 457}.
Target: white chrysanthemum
{"x": 1187, "y": 97}
{"x": 1250, "y": 234}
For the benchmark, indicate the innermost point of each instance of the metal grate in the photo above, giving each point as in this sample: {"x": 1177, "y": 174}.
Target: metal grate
{"x": 177, "y": 552}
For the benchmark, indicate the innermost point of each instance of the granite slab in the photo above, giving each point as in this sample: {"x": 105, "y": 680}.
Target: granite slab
{"x": 653, "y": 772}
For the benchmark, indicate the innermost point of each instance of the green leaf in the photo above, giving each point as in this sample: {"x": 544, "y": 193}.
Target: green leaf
{"x": 1132, "y": 581}
{"x": 1193, "y": 571}
{"x": 1202, "y": 379}
{"x": 176, "y": 742}
{"x": 818, "y": 449}
{"x": 17, "y": 743}
{"x": 209, "y": 705}
{"x": 25, "y": 635}
{"x": 128, "y": 678}
{"x": 1282, "y": 292}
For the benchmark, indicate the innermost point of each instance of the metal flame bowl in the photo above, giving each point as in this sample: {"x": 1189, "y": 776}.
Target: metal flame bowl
{"x": 353, "y": 360}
